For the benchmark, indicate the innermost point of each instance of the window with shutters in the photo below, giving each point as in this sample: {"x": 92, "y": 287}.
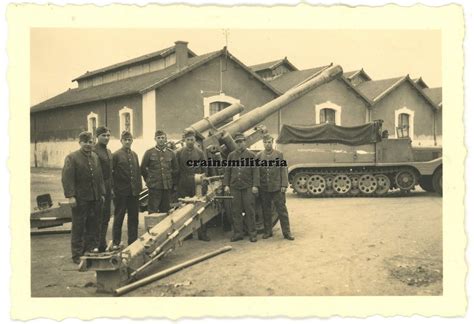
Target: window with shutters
{"x": 404, "y": 123}
{"x": 327, "y": 115}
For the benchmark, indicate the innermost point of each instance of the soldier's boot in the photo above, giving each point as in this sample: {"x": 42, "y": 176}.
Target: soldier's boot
{"x": 202, "y": 233}
{"x": 289, "y": 236}
{"x": 236, "y": 238}
{"x": 266, "y": 235}
{"x": 204, "y": 237}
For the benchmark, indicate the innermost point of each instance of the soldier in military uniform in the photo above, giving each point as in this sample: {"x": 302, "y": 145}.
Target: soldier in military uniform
{"x": 159, "y": 167}
{"x": 105, "y": 157}
{"x": 273, "y": 185}
{"x": 83, "y": 184}
{"x": 127, "y": 188}
{"x": 186, "y": 183}
{"x": 242, "y": 183}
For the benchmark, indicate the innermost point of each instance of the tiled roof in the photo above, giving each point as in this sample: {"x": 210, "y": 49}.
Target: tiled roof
{"x": 435, "y": 94}
{"x": 373, "y": 89}
{"x": 288, "y": 80}
{"x": 136, "y": 85}
{"x": 161, "y": 53}
{"x": 117, "y": 88}
{"x": 419, "y": 81}
{"x": 272, "y": 64}
{"x": 266, "y": 65}
{"x": 376, "y": 90}
{"x": 350, "y": 73}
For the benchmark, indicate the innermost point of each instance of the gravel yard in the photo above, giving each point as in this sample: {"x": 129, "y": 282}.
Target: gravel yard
{"x": 344, "y": 246}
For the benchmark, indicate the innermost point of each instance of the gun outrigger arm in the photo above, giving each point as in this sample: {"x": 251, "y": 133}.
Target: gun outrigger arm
{"x": 116, "y": 269}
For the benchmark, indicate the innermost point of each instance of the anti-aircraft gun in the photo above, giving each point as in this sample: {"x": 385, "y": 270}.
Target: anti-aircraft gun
{"x": 119, "y": 268}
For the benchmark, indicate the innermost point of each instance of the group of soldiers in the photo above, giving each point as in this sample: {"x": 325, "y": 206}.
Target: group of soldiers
{"x": 92, "y": 177}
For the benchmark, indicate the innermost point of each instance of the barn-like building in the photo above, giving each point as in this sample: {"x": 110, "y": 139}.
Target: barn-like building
{"x": 174, "y": 87}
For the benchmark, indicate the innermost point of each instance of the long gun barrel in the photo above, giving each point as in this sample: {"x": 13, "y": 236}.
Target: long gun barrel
{"x": 210, "y": 122}
{"x": 257, "y": 115}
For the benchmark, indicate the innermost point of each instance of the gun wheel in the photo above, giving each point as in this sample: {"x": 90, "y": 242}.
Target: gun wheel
{"x": 316, "y": 185}
{"x": 367, "y": 184}
{"x": 300, "y": 182}
{"x": 341, "y": 184}
{"x": 383, "y": 184}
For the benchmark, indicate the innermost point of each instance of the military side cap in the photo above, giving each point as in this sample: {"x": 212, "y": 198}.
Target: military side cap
{"x": 85, "y": 137}
{"x": 239, "y": 137}
{"x": 159, "y": 133}
{"x": 189, "y": 132}
{"x": 267, "y": 137}
{"x": 101, "y": 130}
{"x": 126, "y": 134}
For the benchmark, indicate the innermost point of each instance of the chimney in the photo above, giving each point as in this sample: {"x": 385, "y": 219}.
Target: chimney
{"x": 181, "y": 51}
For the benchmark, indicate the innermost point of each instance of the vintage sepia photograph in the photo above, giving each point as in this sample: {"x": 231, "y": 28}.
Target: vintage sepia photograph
{"x": 243, "y": 161}
{"x": 117, "y": 114}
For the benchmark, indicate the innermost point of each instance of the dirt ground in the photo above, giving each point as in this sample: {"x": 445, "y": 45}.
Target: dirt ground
{"x": 344, "y": 246}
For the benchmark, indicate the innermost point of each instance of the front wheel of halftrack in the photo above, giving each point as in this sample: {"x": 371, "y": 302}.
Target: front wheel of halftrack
{"x": 300, "y": 183}
{"x": 426, "y": 183}
{"x": 438, "y": 181}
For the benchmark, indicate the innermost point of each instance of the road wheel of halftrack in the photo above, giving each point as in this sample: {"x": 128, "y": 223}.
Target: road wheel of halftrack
{"x": 383, "y": 184}
{"x": 367, "y": 183}
{"x": 300, "y": 182}
{"x": 329, "y": 183}
{"x": 405, "y": 179}
{"x": 316, "y": 185}
{"x": 438, "y": 181}
{"x": 341, "y": 184}
{"x": 355, "y": 185}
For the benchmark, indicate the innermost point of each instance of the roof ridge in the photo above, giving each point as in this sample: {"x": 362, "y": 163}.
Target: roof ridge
{"x": 144, "y": 57}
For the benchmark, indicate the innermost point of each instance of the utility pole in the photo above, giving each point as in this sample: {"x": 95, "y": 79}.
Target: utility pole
{"x": 223, "y": 68}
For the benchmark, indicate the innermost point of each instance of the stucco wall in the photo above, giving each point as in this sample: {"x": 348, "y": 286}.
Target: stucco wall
{"x": 406, "y": 96}
{"x": 181, "y": 102}
{"x": 51, "y": 154}
{"x": 303, "y": 110}
{"x": 55, "y": 131}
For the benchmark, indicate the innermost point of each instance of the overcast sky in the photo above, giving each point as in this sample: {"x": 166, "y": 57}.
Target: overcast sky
{"x": 60, "y": 55}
